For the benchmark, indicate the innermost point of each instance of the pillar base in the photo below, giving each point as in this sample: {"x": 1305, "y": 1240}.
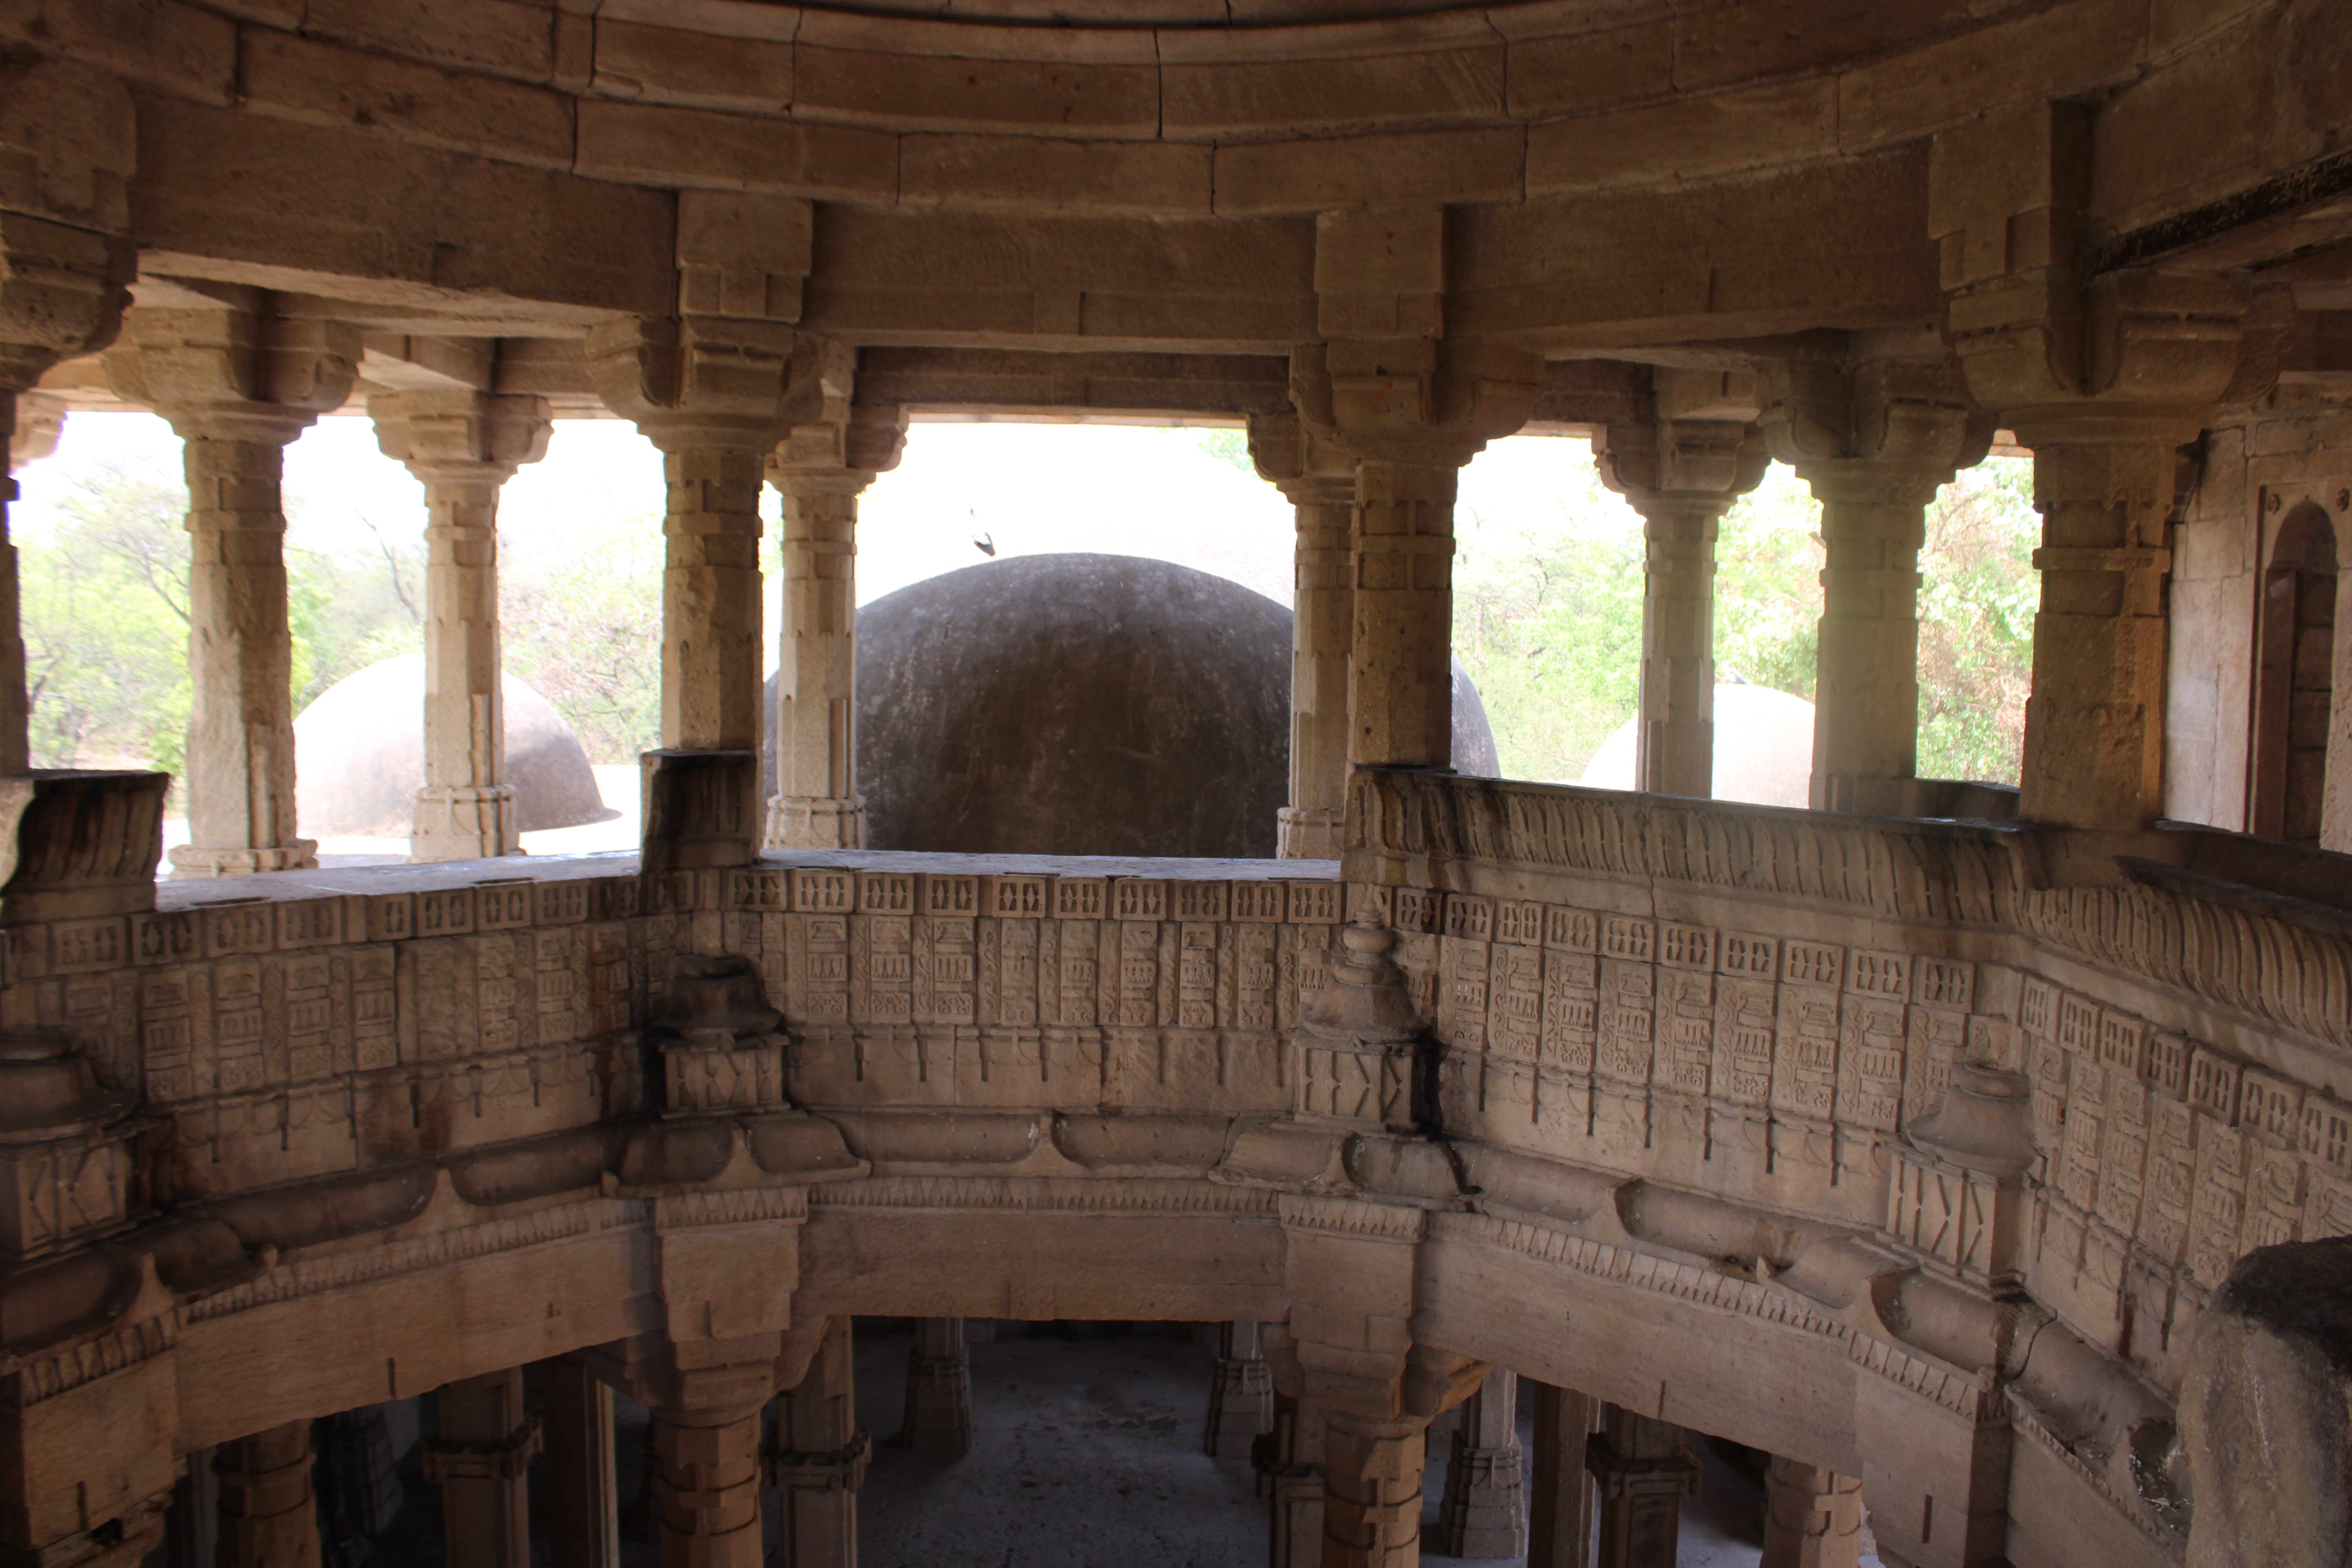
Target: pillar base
{"x": 190, "y": 863}
{"x": 1305, "y": 833}
{"x": 816, "y": 822}
{"x": 818, "y": 1495}
{"x": 464, "y": 822}
{"x": 1241, "y": 1405}
{"x": 1485, "y": 1511}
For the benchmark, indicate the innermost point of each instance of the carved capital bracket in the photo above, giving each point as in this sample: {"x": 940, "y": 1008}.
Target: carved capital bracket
{"x": 231, "y": 371}
{"x": 457, "y": 436}
{"x": 1307, "y": 469}
{"x": 1673, "y": 468}
{"x": 691, "y": 382}
{"x": 1871, "y": 429}
{"x": 69, "y": 145}
{"x": 1414, "y": 400}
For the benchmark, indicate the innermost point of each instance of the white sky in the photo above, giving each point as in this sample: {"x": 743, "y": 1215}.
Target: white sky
{"x": 1030, "y": 488}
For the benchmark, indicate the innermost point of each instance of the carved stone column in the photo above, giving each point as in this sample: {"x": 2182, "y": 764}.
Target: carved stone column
{"x": 821, "y": 469}
{"x": 820, "y": 1458}
{"x": 1559, "y": 1509}
{"x": 238, "y": 385}
{"x": 1240, "y": 1392}
{"x": 939, "y": 1389}
{"x": 1289, "y": 1464}
{"x": 1682, "y": 475}
{"x": 1320, "y": 482}
{"x": 268, "y": 1512}
{"x": 707, "y": 1486}
{"x": 1484, "y": 1513}
{"x": 462, "y": 445}
{"x": 1812, "y": 1517}
{"x": 481, "y": 1457}
{"x": 1873, "y": 441}
{"x": 715, "y": 395}
{"x": 1371, "y": 1490}
{"x": 2104, "y": 378}
{"x": 582, "y": 1482}
{"x": 1643, "y": 1470}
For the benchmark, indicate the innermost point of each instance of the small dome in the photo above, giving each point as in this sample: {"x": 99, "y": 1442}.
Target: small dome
{"x": 1083, "y": 705}
{"x": 358, "y": 750}
{"x": 1763, "y": 749}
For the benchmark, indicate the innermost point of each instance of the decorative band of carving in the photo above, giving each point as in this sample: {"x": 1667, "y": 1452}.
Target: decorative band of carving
{"x": 742, "y": 1205}
{"x": 46, "y": 1377}
{"x": 1350, "y": 1217}
{"x": 1060, "y": 1194}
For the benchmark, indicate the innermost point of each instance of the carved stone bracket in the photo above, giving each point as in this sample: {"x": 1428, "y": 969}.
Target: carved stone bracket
{"x": 505, "y": 1459}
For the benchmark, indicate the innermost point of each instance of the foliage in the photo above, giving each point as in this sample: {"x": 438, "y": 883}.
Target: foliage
{"x": 582, "y": 627}
{"x": 1548, "y": 610}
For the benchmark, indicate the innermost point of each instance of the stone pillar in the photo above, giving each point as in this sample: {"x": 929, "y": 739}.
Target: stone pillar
{"x": 481, "y": 1457}
{"x": 821, "y": 469}
{"x": 707, "y": 1486}
{"x": 939, "y": 1389}
{"x": 820, "y": 1459}
{"x": 1484, "y": 1513}
{"x": 1812, "y": 1517}
{"x": 1681, "y": 476}
{"x": 1642, "y": 1469}
{"x": 1873, "y": 442}
{"x": 1289, "y": 1464}
{"x": 462, "y": 445}
{"x": 714, "y": 395}
{"x": 1371, "y": 1490}
{"x": 1240, "y": 1392}
{"x": 582, "y": 1480}
{"x": 238, "y": 386}
{"x": 1560, "y": 1508}
{"x": 268, "y": 1514}
{"x": 1320, "y": 482}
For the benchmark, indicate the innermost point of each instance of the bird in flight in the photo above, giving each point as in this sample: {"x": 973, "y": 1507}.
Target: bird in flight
{"x": 981, "y": 540}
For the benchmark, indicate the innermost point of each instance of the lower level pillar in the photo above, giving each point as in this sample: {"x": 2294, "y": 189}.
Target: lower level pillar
{"x": 1643, "y": 1470}
{"x": 1812, "y": 1517}
{"x": 1241, "y": 1393}
{"x": 1560, "y": 1506}
{"x": 939, "y": 1389}
{"x": 707, "y": 1486}
{"x": 481, "y": 1454}
{"x": 820, "y": 1459}
{"x": 1484, "y": 1513}
{"x": 1371, "y": 1491}
{"x": 583, "y": 1481}
{"x": 1288, "y": 1460}
{"x": 268, "y": 1514}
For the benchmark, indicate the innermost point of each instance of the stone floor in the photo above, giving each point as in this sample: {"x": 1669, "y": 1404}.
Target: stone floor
{"x": 1086, "y": 1454}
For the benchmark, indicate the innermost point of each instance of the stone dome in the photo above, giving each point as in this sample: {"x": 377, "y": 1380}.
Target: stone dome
{"x": 1083, "y": 705}
{"x": 1763, "y": 748}
{"x": 358, "y": 750}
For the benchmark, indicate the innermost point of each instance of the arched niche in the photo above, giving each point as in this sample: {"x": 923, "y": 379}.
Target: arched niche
{"x": 2296, "y": 705}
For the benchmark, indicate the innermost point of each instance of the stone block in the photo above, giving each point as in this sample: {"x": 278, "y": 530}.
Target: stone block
{"x": 1040, "y": 173}
{"x": 1467, "y": 167}
{"x": 842, "y": 76}
{"x": 497, "y": 37}
{"x": 2189, "y": 131}
{"x": 1218, "y": 84}
{"x": 1747, "y": 40}
{"x": 1688, "y": 138}
{"x": 164, "y": 44}
{"x": 325, "y": 84}
{"x": 697, "y": 149}
{"x": 2047, "y": 54}
{"x": 1585, "y": 70}
{"x": 670, "y": 65}
{"x": 68, "y": 144}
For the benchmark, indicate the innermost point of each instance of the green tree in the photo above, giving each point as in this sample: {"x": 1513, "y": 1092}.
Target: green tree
{"x": 582, "y": 628}
{"x": 1976, "y": 623}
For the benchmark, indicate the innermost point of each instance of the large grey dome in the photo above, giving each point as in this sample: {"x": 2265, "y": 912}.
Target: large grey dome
{"x": 1082, "y": 705}
{"x": 359, "y": 757}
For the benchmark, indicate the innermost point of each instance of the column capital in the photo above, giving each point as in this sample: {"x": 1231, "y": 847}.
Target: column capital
{"x": 1308, "y": 469}
{"x": 843, "y": 455}
{"x": 458, "y": 435}
{"x": 691, "y": 382}
{"x": 69, "y": 145}
{"x": 1681, "y": 468}
{"x": 1871, "y": 429}
{"x": 231, "y": 372}
{"x": 1434, "y": 402}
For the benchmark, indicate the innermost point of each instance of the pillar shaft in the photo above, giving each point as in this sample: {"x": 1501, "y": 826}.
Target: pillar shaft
{"x": 1289, "y": 1464}
{"x": 15, "y": 715}
{"x": 466, "y": 809}
{"x": 1866, "y": 692}
{"x": 1371, "y": 1491}
{"x": 1240, "y": 1392}
{"x": 268, "y": 1514}
{"x": 710, "y": 599}
{"x": 1642, "y": 1469}
{"x": 2094, "y": 722}
{"x": 1812, "y": 1517}
{"x": 480, "y": 1453}
{"x": 1484, "y": 1513}
{"x": 1560, "y": 1510}
{"x": 1322, "y": 625}
{"x": 939, "y": 1389}
{"x": 582, "y": 1481}
{"x": 816, "y": 804}
{"x": 707, "y": 1486}
{"x": 1675, "y": 745}
{"x": 240, "y": 756}
{"x": 1399, "y": 674}
{"x": 820, "y": 1460}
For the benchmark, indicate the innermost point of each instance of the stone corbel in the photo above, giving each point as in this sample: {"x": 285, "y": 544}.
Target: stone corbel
{"x": 1910, "y": 418}
{"x": 708, "y": 380}
{"x": 69, "y": 146}
{"x": 1711, "y": 460}
{"x": 231, "y": 371}
{"x": 458, "y": 435}
{"x": 1417, "y": 400}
